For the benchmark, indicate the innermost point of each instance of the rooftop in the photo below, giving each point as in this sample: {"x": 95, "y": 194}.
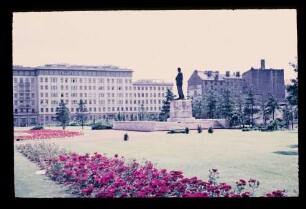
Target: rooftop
{"x": 21, "y": 67}
{"x": 215, "y": 75}
{"x": 74, "y": 67}
{"x": 152, "y": 81}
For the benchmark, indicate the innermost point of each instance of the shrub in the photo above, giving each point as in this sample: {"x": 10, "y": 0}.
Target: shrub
{"x": 199, "y": 129}
{"x": 99, "y": 126}
{"x": 37, "y": 128}
{"x": 210, "y": 130}
{"x": 187, "y": 130}
{"x": 177, "y": 131}
{"x": 99, "y": 176}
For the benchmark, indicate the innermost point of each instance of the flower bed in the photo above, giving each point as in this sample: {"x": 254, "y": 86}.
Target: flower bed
{"x": 44, "y": 134}
{"x": 99, "y": 176}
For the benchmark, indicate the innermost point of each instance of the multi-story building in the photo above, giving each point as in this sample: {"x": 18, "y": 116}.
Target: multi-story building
{"x": 265, "y": 81}
{"x": 149, "y": 96}
{"x": 25, "y": 95}
{"x": 202, "y": 82}
{"x": 106, "y": 90}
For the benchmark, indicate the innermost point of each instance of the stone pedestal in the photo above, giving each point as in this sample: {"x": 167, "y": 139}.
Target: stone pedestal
{"x": 180, "y": 111}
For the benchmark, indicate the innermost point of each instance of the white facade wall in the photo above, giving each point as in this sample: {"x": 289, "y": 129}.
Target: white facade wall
{"x": 106, "y": 90}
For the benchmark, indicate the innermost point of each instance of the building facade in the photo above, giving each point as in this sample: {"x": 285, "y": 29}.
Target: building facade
{"x": 106, "y": 91}
{"x": 265, "y": 81}
{"x": 202, "y": 82}
{"x": 262, "y": 81}
{"x": 149, "y": 96}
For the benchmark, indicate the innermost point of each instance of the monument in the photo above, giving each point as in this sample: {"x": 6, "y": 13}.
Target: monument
{"x": 180, "y": 116}
{"x": 180, "y": 109}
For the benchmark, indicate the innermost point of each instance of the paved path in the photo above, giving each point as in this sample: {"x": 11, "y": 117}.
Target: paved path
{"x": 29, "y": 184}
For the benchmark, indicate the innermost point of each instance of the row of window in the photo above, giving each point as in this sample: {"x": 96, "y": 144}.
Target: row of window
{"x": 221, "y": 83}
{"x": 42, "y": 87}
{"x": 24, "y": 95}
{"x": 84, "y": 80}
{"x": 83, "y": 73}
{"x": 100, "y": 109}
{"x": 102, "y": 102}
{"x": 25, "y": 110}
{"x": 94, "y": 95}
{"x": 24, "y": 80}
{"x": 22, "y": 102}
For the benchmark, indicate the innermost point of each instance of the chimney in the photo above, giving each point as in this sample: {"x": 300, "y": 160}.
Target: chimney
{"x": 262, "y": 64}
{"x": 196, "y": 71}
{"x": 217, "y": 76}
{"x": 227, "y": 73}
{"x": 238, "y": 74}
{"x": 209, "y": 73}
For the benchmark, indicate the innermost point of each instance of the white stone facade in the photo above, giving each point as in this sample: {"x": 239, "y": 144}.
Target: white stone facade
{"x": 106, "y": 90}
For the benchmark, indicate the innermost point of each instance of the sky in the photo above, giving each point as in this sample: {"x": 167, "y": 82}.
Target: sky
{"x": 155, "y": 43}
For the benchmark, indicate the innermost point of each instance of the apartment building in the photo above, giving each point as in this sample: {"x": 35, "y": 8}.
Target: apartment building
{"x": 106, "y": 90}
{"x": 201, "y": 82}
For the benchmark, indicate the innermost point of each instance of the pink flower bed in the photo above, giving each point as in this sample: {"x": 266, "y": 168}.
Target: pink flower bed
{"x": 98, "y": 176}
{"x": 45, "y": 134}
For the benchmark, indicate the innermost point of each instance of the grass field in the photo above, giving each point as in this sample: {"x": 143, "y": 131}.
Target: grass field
{"x": 270, "y": 157}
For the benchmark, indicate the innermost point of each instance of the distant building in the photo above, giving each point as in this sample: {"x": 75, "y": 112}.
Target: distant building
{"x": 106, "y": 90}
{"x": 265, "y": 81}
{"x": 202, "y": 82}
{"x": 149, "y": 95}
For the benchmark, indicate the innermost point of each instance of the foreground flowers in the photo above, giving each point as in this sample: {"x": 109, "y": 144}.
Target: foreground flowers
{"x": 99, "y": 176}
{"x": 44, "y": 134}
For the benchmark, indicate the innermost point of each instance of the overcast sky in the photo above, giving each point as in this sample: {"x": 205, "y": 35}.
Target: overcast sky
{"x": 154, "y": 43}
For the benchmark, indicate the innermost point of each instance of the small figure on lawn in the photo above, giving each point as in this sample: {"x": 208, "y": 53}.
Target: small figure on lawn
{"x": 199, "y": 129}
{"x": 126, "y": 137}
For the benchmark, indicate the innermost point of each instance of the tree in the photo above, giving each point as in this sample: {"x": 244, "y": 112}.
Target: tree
{"x": 81, "y": 115}
{"x": 142, "y": 113}
{"x": 211, "y": 104}
{"x": 293, "y": 88}
{"x": 197, "y": 107}
{"x": 118, "y": 117}
{"x": 250, "y": 107}
{"x": 287, "y": 115}
{"x": 62, "y": 114}
{"x": 165, "y": 111}
{"x": 226, "y": 105}
{"x": 271, "y": 105}
{"x": 132, "y": 117}
{"x": 265, "y": 114}
{"x": 239, "y": 112}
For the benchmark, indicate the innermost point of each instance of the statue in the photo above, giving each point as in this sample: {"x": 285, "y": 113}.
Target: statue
{"x": 179, "y": 84}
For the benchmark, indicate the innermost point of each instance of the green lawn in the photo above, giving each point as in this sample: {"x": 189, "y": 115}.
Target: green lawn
{"x": 270, "y": 157}
{"x": 29, "y": 184}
